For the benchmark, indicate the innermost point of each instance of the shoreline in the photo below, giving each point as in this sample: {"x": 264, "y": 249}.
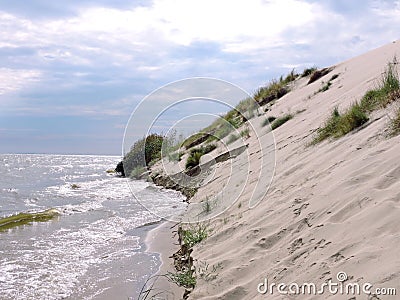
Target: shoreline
{"x": 160, "y": 240}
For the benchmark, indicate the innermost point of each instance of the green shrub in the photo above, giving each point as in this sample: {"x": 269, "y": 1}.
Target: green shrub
{"x": 280, "y": 121}
{"x": 143, "y": 152}
{"x": 193, "y": 160}
{"x": 194, "y": 234}
{"x": 185, "y": 278}
{"x": 352, "y": 119}
{"x": 196, "y": 153}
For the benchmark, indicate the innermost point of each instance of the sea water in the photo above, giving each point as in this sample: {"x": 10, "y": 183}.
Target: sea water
{"x": 97, "y": 241}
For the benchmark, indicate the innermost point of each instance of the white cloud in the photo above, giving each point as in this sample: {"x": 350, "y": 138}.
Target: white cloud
{"x": 13, "y": 80}
{"x": 180, "y": 22}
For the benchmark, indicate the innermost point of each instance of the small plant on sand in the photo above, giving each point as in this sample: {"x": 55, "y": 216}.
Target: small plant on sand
{"x": 185, "y": 278}
{"x": 280, "y": 121}
{"x": 194, "y": 234}
{"x": 207, "y": 272}
{"x": 207, "y": 206}
{"x": 325, "y": 87}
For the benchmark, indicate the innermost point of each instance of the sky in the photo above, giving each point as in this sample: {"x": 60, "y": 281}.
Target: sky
{"x": 72, "y": 72}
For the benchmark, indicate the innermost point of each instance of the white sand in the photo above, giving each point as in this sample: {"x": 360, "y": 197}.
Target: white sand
{"x": 331, "y": 207}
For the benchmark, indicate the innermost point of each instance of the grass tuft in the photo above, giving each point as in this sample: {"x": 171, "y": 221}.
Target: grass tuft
{"x": 194, "y": 234}
{"x": 280, "y": 121}
{"x": 193, "y": 160}
{"x": 308, "y": 71}
{"x": 207, "y": 206}
{"x": 185, "y": 278}
{"x": 195, "y": 154}
{"x": 356, "y": 115}
{"x": 340, "y": 124}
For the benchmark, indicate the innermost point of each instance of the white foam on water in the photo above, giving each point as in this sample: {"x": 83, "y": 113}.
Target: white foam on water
{"x": 52, "y": 266}
{"x": 95, "y": 232}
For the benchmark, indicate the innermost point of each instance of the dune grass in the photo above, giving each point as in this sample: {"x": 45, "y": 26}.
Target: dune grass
{"x": 338, "y": 125}
{"x": 196, "y": 153}
{"x": 280, "y": 121}
{"x": 194, "y": 234}
{"x": 309, "y": 71}
{"x": 27, "y": 218}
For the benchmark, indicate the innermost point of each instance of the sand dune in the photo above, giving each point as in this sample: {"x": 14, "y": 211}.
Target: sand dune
{"x": 333, "y": 207}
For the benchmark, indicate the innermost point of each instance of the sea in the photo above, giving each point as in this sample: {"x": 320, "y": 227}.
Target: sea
{"x": 97, "y": 242}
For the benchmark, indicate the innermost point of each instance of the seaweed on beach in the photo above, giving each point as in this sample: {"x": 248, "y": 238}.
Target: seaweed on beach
{"x": 27, "y": 218}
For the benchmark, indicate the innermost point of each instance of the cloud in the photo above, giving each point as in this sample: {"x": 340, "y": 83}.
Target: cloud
{"x": 13, "y": 80}
{"x": 98, "y": 58}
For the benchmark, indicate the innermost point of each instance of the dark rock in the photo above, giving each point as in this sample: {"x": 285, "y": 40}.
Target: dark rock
{"x": 120, "y": 169}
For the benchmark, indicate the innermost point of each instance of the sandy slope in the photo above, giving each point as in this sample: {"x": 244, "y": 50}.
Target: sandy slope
{"x": 331, "y": 207}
